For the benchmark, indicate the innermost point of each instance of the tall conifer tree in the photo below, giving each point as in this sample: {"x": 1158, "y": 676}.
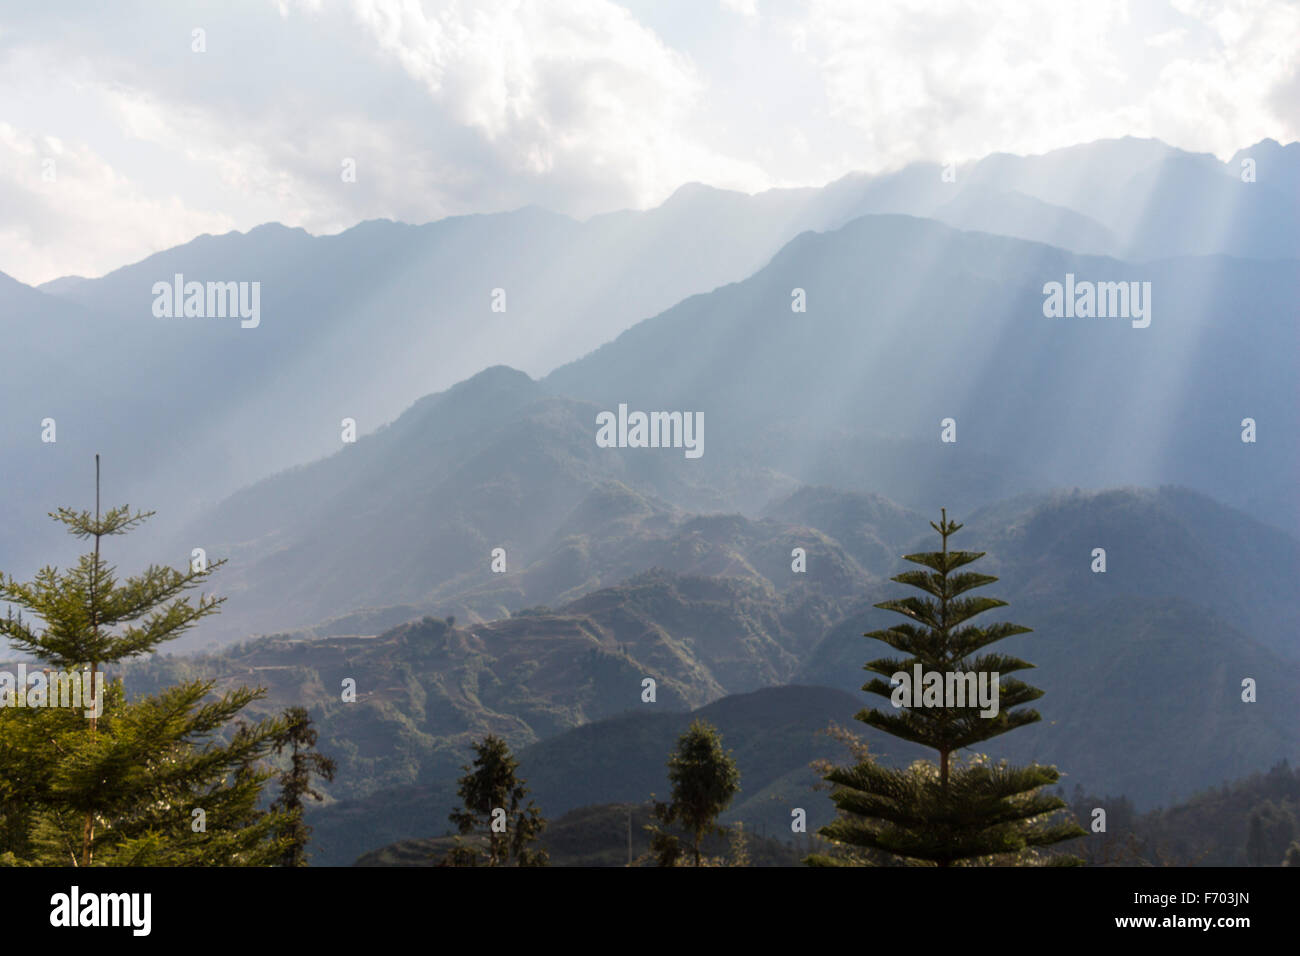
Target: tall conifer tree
{"x": 145, "y": 782}
{"x": 954, "y": 810}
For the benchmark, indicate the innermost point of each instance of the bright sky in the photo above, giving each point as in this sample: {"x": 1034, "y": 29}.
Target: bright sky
{"x": 581, "y": 106}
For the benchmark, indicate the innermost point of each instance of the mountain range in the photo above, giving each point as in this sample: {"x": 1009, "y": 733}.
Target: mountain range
{"x": 859, "y": 356}
{"x": 362, "y": 324}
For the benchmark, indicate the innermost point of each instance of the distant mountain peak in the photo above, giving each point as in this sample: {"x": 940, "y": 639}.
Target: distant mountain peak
{"x": 268, "y": 228}
{"x": 691, "y": 191}
{"x": 493, "y": 377}
{"x": 486, "y": 390}
{"x": 1267, "y": 145}
{"x": 61, "y": 284}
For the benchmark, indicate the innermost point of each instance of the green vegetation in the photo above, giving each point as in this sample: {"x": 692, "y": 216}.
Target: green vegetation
{"x": 494, "y": 813}
{"x": 956, "y": 810}
{"x": 146, "y": 782}
{"x": 1253, "y": 821}
{"x": 593, "y": 836}
{"x": 299, "y": 738}
{"x": 704, "y": 779}
{"x": 562, "y": 684}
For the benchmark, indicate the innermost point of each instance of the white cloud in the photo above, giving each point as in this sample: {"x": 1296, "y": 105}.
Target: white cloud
{"x": 581, "y": 106}
{"x": 570, "y": 89}
{"x": 925, "y": 79}
{"x": 1167, "y": 39}
{"x": 80, "y": 210}
{"x": 1241, "y": 87}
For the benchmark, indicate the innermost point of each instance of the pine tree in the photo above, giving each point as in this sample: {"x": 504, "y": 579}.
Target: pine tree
{"x": 295, "y": 783}
{"x": 123, "y": 786}
{"x": 151, "y": 765}
{"x": 955, "y": 810}
{"x": 704, "y": 779}
{"x": 493, "y": 811}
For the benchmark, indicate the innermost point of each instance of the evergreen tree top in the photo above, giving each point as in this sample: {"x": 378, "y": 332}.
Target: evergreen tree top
{"x": 940, "y": 637}
{"x": 87, "y": 614}
{"x": 956, "y": 810}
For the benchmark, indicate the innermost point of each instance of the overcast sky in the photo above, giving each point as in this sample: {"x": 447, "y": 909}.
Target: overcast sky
{"x": 581, "y": 106}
